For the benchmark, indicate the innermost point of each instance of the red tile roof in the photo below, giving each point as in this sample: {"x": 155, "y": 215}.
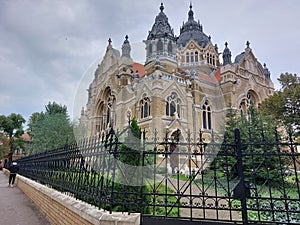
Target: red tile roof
{"x": 139, "y": 67}
{"x": 215, "y": 78}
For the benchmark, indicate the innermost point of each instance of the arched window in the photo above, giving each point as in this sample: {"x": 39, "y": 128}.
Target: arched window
{"x": 160, "y": 46}
{"x": 243, "y": 107}
{"x": 145, "y": 107}
{"x": 192, "y": 57}
{"x": 206, "y": 116}
{"x": 170, "y": 48}
{"x": 173, "y": 105}
{"x": 150, "y": 49}
{"x": 105, "y": 111}
{"x": 187, "y": 58}
{"x": 196, "y": 57}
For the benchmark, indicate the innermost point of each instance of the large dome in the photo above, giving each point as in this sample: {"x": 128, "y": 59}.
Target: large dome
{"x": 192, "y": 30}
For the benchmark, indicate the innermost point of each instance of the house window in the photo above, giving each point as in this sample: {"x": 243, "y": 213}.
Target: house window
{"x": 173, "y": 105}
{"x": 206, "y": 116}
{"x": 145, "y": 107}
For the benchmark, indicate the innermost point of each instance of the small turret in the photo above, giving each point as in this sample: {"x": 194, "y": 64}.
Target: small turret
{"x": 126, "y": 48}
{"x": 226, "y": 55}
{"x": 267, "y": 72}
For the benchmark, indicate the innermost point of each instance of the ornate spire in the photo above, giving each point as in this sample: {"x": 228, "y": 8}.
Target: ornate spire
{"x": 191, "y": 13}
{"x": 226, "y": 55}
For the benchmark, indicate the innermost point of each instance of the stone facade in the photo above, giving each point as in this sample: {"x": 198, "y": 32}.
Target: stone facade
{"x": 182, "y": 85}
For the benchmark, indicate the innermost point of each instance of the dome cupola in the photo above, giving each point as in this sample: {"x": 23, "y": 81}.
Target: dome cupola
{"x": 192, "y": 30}
{"x": 161, "y": 42}
{"x": 161, "y": 27}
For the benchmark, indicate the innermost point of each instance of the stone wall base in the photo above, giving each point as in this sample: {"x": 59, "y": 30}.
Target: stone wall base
{"x": 59, "y": 208}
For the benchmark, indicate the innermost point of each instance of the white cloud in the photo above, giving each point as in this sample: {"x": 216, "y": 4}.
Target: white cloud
{"x": 47, "y": 46}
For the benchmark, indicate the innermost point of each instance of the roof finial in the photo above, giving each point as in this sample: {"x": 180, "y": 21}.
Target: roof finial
{"x": 109, "y": 41}
{"x": 226, "y": 44}
{"x": 126, "y": 39}
{"x": 191, "y": 13}
{"x": 161, "y": 7}
{"x": 248, "y": 44}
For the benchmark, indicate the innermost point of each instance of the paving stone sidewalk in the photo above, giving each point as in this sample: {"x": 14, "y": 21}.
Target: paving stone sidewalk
{"x": 16, "y": 208}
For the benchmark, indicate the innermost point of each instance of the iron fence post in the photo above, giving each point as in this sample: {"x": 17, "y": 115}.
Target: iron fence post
{"x": 242, "y": 195}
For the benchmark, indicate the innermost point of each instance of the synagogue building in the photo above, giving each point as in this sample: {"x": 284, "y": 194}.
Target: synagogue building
{"x": 186, "y": 83}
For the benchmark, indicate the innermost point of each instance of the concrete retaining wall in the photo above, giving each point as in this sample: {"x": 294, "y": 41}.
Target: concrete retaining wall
{"x": 59, "y": 208}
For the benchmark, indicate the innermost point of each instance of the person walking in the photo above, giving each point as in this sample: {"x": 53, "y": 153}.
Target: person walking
{"x": 13, "y": 169}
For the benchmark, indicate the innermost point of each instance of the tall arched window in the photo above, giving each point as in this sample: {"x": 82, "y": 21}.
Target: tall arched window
{"x": 187, "y": 58}
{"x": 192, "y": 57}
{"x": 243, "y": 107}
{"x": 173, "y": 105}
{"x": 145, "y": 107}
{"x": 105, "y": 111}
{"x": 150, "y": 49}
{"x": 196, "y": 57}
{"x": 170, "y": 48}
{"x": 206, "y": 116}
{"x": 160, "y": 46}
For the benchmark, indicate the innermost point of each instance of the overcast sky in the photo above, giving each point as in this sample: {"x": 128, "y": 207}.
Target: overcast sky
{"x": 47, "y": 47}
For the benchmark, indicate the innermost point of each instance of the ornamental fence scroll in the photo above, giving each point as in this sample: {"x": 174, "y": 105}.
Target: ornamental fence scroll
{"x": 253, "y": 180}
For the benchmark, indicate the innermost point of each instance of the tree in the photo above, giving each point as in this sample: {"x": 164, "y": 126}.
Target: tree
{"x": 50, "y": 129}
{"x": 12, "y": 127}
{"x": 284, "y": 105}
{"x": 255, "y": 130}
{"x": 4, "y": 145}
{"x": 128, "y": 190}
{"x": 288, "y": 80}
{"x": 54, "y": 108}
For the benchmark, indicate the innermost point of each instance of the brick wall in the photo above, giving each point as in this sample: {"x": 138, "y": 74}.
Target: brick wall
{"x": 62, "y": 209}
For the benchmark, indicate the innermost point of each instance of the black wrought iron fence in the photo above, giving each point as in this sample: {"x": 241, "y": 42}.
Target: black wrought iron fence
{"x": 177, "y": 177}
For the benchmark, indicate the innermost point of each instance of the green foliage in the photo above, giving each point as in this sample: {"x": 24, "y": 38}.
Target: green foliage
{"x": 260, "y": 161}
{"x": 12, "y": 127}
{"x": 128, "y": 190}
{"x": 284, "y": 105}
{"x": 54, "y": 108}
{"x": 51, "y": 129}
